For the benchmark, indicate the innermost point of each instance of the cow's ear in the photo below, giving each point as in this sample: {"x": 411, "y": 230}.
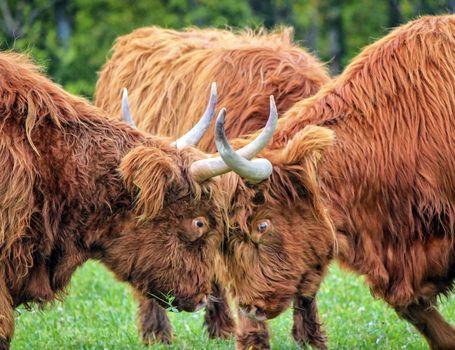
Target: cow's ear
{"x": 148, "y": 173}
{"x": 307, "y": 144}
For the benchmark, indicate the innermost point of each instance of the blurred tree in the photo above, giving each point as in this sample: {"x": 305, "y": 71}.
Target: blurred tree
{"x": 63, "y": 19}
{"x": 27, "y": 26}
{"x": 72, "y": 38}
{"x": 266, "y": 10}
{"x": 18, "y": 16}
{"x": 331, "y": 12}
{"x": 394, "y": 13}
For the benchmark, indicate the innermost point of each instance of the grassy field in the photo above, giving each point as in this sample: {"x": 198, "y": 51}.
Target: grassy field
{"x": 99, "y": 313}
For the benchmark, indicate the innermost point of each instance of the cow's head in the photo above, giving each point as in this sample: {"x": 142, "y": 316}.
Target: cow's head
{"x": 167, "y": 246}
{"x": 281, "y": 239}
{"x": 170, "y": 240}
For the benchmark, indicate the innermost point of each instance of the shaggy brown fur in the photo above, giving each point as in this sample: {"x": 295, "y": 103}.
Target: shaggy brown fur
{"x": 390, "y": 180}
{"x": 307, "y": 328}
{"x": 75, "y": 186}
{"x": 163, "y": 68}
{"x": 218, "y": 318}
{"x": 267, "y": 269}
{"x": 168, "y": 74}
{"x": 252, "y": 334}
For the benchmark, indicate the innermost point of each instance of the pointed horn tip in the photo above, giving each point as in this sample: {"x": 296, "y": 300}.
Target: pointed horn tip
{"x": 272, "y": 103}
{"x": 213, "y": 93}
{"x": 221, "y": 116}
{"x": 193, "y": 136}
{"x": 273, "y": 110}
{"x": 125, "y": 91}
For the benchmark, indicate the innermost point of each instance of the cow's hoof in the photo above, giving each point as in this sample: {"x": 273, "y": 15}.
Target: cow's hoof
{"x": 220, "y": 326}
{"x": 162, "y": 337}
{"x": 253, "y": 341}
{"x": 220, "y": 332}
{"x": 316, "y": 341}
{"x": 313, "y": 335}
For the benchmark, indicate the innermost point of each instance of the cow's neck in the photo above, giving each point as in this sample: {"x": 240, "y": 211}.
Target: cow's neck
{"x": 365, "y": 196}
{"x": 344, "y": 181}
{"x": 345, "y": 172}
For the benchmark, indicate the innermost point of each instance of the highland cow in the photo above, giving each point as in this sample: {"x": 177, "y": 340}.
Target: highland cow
{"x": 159, "y": 66}
{"x": 388, "y": 184}
{"x": 162, "y": 69}
{"x": 77, "y": 186}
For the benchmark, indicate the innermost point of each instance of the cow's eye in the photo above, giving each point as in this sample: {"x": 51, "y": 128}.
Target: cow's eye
{"x": 199, "y": 223}
{"x": 263, "y": 226}
{"x": 199, "y": 227}
{"x": 194, "y": 228}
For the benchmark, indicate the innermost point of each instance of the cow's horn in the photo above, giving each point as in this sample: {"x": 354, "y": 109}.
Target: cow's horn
{"x": 193, "y": 136}
{"x": 126, "y": 114}
{"x": 239, "y": 161}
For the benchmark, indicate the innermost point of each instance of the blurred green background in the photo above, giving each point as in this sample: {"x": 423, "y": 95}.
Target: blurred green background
{"x": 72, "y": 38}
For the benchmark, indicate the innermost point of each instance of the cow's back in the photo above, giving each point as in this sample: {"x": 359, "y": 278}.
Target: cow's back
{"x": 168, "y": 75}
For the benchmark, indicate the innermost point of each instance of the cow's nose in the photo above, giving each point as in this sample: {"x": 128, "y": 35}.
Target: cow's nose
{"x": 201, "y": 303}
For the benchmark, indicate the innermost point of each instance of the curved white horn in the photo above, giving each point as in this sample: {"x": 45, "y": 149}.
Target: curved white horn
{"x": 255, "y": 171}
{"x": 193, "y": 136}
{"x": 253, "y": 148}
{"x": 126, "y": 114}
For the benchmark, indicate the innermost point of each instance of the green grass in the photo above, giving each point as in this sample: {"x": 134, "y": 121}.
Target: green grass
{"x": 99, "y": 313}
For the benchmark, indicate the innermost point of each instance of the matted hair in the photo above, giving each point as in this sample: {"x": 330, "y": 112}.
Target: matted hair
{"x": 168, "y": 75}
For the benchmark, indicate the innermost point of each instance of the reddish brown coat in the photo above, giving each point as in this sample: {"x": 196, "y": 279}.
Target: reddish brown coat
{"x": 389, "y": 182}
{"x": 164, "y": 70}
{"x": 168, "y": 75}
{"x": 75, "y": 186}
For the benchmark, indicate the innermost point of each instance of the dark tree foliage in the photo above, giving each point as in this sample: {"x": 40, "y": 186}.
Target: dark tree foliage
{"x": 72, "y": 38}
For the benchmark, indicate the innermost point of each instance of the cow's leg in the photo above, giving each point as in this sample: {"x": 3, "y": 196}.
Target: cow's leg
{"x": 218, "y": 317}
{"x": 429, "y": 322}
{"x": 6, "y": 316}
{"x": 252, "y": 335}
{"x": 307, "y": 328}
{"x": 4, "y": 344}
{"x": 154, "y": 323}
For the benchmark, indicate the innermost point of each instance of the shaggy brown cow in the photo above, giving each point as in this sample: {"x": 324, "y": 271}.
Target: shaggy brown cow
{"x": 160, "y": 66}
{"x": 76, "y": 186}
{"x": 389, "y": 184}
{"x": 162, "y": 69}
